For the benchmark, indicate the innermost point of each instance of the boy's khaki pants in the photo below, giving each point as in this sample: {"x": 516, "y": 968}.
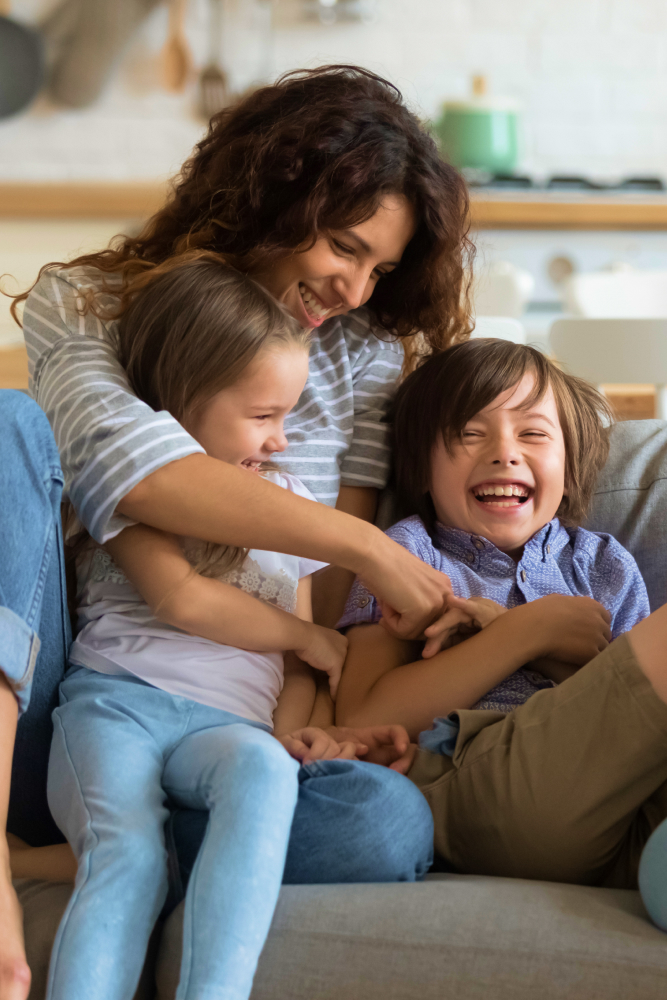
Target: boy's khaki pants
{"x": 566, "y": 788}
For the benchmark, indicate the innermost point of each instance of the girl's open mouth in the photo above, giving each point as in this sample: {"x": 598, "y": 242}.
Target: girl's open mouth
{"x": 502, "y": 494}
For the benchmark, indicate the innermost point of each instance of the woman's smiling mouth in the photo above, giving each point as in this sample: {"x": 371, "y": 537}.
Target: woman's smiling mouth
{"x": 502, "y": 494}
{"x": 315, "y": 310}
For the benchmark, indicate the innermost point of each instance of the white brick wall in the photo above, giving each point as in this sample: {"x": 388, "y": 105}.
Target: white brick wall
{"x": 591, "y": 74}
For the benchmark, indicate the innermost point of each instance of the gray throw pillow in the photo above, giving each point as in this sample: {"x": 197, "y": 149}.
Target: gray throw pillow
{"x": 630, "y": 499}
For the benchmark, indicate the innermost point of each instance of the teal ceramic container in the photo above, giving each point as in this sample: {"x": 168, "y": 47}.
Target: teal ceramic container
{"x": 480, "y": 134}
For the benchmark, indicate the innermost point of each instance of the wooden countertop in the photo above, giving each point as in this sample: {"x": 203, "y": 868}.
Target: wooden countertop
{"x": 490, "y": 210}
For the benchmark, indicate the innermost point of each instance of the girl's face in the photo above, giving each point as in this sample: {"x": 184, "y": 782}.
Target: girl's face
{"x": 505, "y": 479}
{"x": 343, "y": 267}
{"x": 243, "y": 424}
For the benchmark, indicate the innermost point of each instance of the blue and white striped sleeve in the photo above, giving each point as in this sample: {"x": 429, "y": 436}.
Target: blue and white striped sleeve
{"x": 376, "y": 370}
{"x": 107, "y": 438}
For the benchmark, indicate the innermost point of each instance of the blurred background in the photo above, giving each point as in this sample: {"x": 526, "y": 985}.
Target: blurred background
{"x": 555, "y": 112}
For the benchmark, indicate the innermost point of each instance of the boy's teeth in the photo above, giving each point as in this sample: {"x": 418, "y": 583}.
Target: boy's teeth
{"x": 499, "y": 491}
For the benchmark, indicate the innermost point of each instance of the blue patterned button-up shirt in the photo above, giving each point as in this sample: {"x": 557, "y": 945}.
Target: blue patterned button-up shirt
{"x": 556, "y": 560}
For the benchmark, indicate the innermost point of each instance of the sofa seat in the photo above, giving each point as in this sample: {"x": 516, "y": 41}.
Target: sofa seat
{"x": 463, "y": 937}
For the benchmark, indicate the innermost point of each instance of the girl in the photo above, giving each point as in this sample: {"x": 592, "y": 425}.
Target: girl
{"x": 164, "y": 696}
{"x": 497, "y": 454}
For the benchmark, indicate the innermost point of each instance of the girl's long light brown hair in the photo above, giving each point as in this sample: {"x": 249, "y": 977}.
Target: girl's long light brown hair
{"x": 191, "y": 329}
{"x": 317, "y": 151}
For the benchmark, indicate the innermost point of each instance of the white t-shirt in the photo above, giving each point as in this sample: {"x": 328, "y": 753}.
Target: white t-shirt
{"x": 119, "y": 634}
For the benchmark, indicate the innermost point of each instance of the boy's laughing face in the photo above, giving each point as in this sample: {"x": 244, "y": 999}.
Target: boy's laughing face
{"x": 505, "y": 478}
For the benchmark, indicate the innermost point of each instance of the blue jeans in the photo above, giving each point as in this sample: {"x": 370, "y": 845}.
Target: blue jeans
{"x": 353, "y": 821}
{"x": 119, "y": 747}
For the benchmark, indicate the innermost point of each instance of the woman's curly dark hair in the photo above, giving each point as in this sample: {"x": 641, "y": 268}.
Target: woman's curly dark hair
{"x": 316, "y": 151}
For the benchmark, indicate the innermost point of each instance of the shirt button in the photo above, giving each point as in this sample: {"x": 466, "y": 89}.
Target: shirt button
{"x": 471, "y": 557}
{"x": 548, "y": 548}
{"x": 523, "y": 575}
{"x": 362, "y": 601}
{"x": 478, "y": 543}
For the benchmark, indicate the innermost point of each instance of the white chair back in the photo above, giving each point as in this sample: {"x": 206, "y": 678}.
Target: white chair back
{"x": 619, "y": 293}
{"x": 615, "y": 351}
{"x": 499, "y": 328}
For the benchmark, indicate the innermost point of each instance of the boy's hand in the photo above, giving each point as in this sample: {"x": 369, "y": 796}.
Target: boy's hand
{"x": 325, "y": 650}
{"x": 570, "y": 629}
{"x": 386, "y": 745}
{"x": 310, "y": 744}
{"x": 457, "y": 624}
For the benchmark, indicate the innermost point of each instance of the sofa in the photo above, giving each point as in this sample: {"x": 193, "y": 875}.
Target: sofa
{"x": 463, "y": 937}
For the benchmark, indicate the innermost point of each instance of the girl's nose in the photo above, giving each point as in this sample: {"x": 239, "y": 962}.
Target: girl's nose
{"x": 277, "y": 441}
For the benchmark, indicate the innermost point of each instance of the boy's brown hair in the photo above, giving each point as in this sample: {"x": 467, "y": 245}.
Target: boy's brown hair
{"x": 450, "y": 388}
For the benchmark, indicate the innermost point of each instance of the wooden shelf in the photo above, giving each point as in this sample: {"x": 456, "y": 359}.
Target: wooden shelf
{"x": 81, "y": 201}
{"x": 137, "y": 200}
{"x": 490, "y": 212}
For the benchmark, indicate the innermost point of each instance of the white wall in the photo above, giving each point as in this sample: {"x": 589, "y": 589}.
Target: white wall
{"x": 592, "y": 75}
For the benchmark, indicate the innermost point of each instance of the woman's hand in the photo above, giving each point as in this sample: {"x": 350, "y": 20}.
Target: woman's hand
{"x": 459, "y": 623}
{"x": 409, "y": 593}
{"x": 325, "y": 650}
{"x": 310, "y": 744}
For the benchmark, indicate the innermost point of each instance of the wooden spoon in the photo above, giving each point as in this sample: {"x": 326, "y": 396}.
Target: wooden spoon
{"x": 213, "y": 83}
{"x": 176, "y": 58}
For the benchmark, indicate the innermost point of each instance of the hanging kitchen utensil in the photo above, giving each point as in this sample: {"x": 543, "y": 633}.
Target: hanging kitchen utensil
{"x": 481, "y": 133}
{"x": 176, "y": 58}
{"x": 213, "y": 82}
{"x": 84, "y": 40}
{"x": 21, "y": 63}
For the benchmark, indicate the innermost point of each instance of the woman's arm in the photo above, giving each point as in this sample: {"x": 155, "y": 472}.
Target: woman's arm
{"x": 205, "y": 498}
{"x": 383, "y": 682}
{"x": 155, "y": 564}
{"x": 14, "y": 971}
{"x": 332, "y": 585}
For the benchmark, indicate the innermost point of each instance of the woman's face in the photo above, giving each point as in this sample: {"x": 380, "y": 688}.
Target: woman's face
{"x": 341, "y": 270}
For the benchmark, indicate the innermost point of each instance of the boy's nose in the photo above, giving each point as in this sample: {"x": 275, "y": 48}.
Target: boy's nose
{"x": 277, "y": 442}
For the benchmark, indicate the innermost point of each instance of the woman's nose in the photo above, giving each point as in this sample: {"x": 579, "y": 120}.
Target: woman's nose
{"x": 354, "y": 287}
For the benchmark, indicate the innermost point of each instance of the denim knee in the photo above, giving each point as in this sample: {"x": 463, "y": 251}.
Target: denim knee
{"x": 358, "y": 822}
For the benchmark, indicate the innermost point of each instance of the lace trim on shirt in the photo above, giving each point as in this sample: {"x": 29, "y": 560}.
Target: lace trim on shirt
{"x": 278, "y": 589}
{"x": 104, "y": 569}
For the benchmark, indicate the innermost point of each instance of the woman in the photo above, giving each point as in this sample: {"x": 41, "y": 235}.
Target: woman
{"x": 326, "y": 190}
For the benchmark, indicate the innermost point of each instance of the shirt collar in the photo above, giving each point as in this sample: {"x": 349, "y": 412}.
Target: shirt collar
{"x": 479, "y": 553}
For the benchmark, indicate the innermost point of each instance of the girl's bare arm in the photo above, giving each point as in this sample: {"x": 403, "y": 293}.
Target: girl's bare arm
{"x": 384, "y": 681}
{"x": 155, "y": 564}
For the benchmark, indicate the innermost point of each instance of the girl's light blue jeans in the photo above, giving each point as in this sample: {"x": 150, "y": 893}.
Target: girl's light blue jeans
{"x": 120, "y": 747}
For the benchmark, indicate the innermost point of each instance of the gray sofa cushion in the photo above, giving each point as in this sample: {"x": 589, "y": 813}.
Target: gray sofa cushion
{"x": 630, "y": 500}
{"x": 459, "y": 936}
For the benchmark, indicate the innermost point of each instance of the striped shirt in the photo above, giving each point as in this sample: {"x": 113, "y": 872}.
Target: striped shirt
{"x": 109, "y": 440}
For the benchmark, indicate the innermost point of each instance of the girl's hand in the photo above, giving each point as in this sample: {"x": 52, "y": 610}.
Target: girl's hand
{"x": 310, "y": 744}
{"x": 325, "y": 650}
{"x": 456, "y": 624}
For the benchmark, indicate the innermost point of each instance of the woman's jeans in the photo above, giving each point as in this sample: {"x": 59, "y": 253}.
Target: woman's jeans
{"x": 120, "y": 746}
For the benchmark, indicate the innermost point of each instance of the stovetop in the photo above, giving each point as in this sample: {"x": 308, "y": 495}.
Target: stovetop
{"x": 573, "y": 183}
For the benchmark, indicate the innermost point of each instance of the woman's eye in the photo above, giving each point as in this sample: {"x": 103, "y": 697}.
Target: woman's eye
{"x": 342, "y": 248}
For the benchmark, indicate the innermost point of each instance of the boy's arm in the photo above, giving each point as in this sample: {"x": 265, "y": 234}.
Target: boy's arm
{"x": 297, "y": 697}
{"x": 155, "y": 564}
{"x": 384, "y": 682}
